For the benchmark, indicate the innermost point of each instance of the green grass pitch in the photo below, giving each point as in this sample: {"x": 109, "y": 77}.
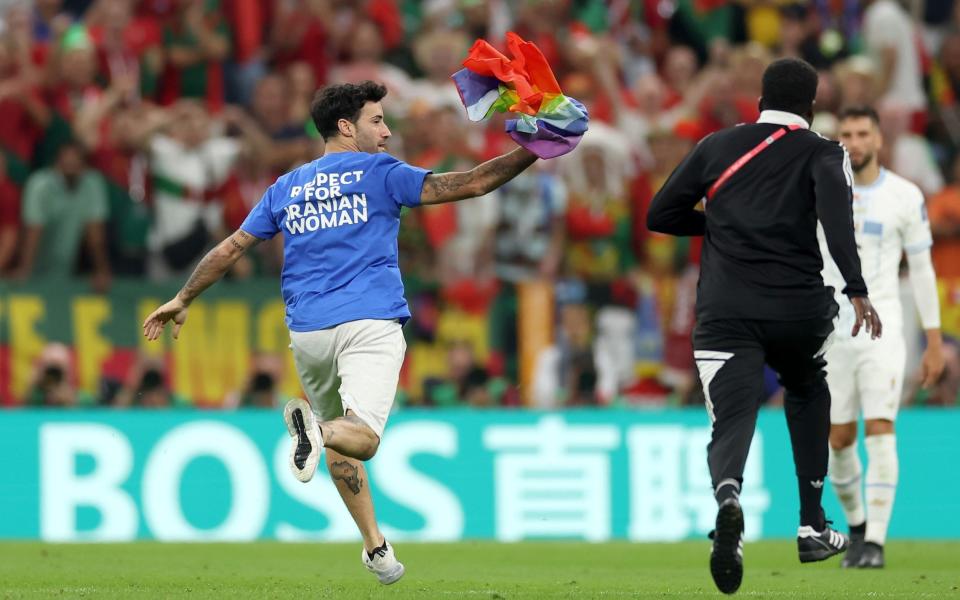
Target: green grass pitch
{"x": 479, "y": 571}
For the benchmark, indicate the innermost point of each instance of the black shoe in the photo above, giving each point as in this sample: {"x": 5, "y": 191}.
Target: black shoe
{"x": 872, "y": 557}
{"x": 726, "y": 559}
{"x": 851, "y": 560}
{"x": 820, "y": 545}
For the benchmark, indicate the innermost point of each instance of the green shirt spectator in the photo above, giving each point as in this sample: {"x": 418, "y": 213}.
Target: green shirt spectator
{"x": 63, "y": 205}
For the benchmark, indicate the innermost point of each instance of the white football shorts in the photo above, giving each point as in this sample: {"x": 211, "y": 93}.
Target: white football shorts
{"x": 353, "y": 366}
{"x": 866, "y": 375}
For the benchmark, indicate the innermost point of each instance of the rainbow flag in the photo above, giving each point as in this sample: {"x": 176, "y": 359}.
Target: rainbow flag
{"x": 547, "y": 123}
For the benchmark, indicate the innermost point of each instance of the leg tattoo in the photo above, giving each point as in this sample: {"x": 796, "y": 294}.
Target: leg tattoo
{"x": 348, "y": 474}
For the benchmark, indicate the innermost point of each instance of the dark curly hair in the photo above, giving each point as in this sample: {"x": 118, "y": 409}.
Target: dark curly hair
{"x": 342, "y": 101}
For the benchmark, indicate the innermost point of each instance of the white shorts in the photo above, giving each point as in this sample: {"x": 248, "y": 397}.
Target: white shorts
{"x": 353, "y": 366}
{"x": 866, "y": 375}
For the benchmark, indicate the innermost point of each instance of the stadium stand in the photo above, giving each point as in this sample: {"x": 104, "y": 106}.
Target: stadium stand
{"x": 136, "y": 134}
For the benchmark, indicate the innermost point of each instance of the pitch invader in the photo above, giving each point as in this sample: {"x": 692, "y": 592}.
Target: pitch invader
{"x": 866, "y": 377}
{"x": 345, "y": 305}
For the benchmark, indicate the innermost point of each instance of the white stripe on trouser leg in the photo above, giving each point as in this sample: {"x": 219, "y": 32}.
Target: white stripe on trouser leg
{"x": 831, "y": 337}
{"x": 709, "y": 362}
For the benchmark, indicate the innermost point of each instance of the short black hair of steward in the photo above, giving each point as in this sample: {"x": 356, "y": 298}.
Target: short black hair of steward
{"x": 790, "y": 85}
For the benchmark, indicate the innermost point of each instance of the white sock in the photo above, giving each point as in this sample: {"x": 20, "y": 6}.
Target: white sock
{"x": 883, "y": 469}
{"x": 734, "y": 492}
{"x": 846, "y": 473}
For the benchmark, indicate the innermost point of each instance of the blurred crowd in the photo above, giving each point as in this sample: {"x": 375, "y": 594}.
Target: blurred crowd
{"x": 137, "y": 133}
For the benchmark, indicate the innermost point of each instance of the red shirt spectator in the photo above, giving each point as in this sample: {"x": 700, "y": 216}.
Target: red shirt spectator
{"x": 9, "y": 218}
{"x": 299, "y": 35}
{"x": 126, "y": 45}
{"x": 249, "y": 21}
{"x": 23, "y": 116}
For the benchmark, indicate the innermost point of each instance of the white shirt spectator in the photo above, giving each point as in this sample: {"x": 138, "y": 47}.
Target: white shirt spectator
{"x": 887, "y": 25}
{"x": 912, "y": 158}
{"x": 183, "y": 177}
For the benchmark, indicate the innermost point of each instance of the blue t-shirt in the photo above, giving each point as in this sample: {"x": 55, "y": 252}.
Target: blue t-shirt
{"x": 340, "y": 216}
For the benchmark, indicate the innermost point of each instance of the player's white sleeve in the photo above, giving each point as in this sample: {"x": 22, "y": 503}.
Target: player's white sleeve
{"x": 917, "y": 240}
{"x": 915, "y": 231}
{"x": 923, "y": 280}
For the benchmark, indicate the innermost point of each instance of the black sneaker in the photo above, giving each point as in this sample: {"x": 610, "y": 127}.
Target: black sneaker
{"x": 820, "y": 545}
{"x": 726, "y": 559}
{"x": 851, "y": 559}
{"x": 872, "y": 557}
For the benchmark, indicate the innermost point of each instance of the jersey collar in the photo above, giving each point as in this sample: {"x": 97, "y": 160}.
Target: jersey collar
{"x": 875, "y": 184}
{"x": 781, "y": 117}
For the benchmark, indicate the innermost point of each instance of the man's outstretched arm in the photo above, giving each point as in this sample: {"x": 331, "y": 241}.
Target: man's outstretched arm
{"x": 211, "y": 268}
{"x": 480, "y": 180}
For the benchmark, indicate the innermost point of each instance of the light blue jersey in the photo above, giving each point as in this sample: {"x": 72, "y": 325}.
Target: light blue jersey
{"x": 340, "y": 216}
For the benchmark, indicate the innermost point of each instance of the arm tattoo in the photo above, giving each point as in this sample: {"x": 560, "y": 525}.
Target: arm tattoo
{"x": 210, "y": 269}
{"x": 243, "y": 241}
{"x": 446, "y": 186}
{"x": 216, "y": 263}
{"x": 246, "y": 238}
{"x": 348, "y": 474}
{"x": 480, "y": 180}
{"x": 496, "y": 172}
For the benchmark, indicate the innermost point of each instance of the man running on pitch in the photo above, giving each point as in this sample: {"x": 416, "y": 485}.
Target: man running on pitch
{"x": 340, "y": 216}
